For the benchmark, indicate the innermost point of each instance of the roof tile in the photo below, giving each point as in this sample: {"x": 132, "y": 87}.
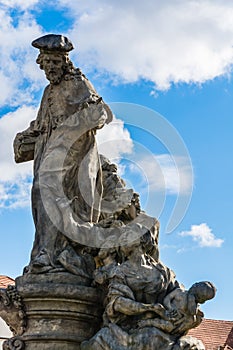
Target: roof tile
{"x": 5, "y": 281}
{"x": 215, "y": 334}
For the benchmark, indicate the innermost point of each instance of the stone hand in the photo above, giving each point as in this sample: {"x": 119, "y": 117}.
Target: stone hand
{"x": 173, "y": 315}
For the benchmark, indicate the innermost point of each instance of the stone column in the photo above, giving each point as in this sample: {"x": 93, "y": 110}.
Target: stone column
{"x": 60, "y": 312}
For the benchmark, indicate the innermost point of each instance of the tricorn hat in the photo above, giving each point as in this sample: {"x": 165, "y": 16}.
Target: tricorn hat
{"x": 53, "y": 42}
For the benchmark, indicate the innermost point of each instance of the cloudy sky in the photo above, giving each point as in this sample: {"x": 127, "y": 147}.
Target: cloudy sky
{"x": 165, "y": 68}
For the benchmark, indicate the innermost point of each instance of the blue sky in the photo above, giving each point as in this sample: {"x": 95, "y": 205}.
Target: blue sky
{"x": 152, "y": 62}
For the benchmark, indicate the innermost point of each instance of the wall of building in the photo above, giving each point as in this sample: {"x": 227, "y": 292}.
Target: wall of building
{"x": 4, "y": 331}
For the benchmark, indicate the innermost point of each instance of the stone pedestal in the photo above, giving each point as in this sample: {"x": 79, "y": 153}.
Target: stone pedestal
{"x": 61, "y": 311}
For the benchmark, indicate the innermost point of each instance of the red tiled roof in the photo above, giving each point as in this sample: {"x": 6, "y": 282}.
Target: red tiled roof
{"x": 215, "y": 334}
{"x": 6, "y": 281}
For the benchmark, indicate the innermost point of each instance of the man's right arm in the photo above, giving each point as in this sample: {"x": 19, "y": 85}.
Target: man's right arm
{"x": 24, "y": 144}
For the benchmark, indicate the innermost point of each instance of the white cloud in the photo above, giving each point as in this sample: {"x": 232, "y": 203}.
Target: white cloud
{"x": 114, "y": 140}
{"x": 160, "y": 172}
{"x": 23, "y": 4}
{"x": 17, "y": 77}
{"x": 202, "y": 234}
{"x": 166, "y": 173}
{"x": 15, "y": 179}
{"x": 15, "y": 194}
{"x": 163, "y": 42}
{"x": 10, "y": 124}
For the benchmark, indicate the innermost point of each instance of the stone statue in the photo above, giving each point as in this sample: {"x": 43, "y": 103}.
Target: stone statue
{"x": 95, "y": 280}
{"x": 12, "y": 310}
{"x": 146, "y": 308}
{"x": 180, "y": 310}
{"x": 68, "y": 97}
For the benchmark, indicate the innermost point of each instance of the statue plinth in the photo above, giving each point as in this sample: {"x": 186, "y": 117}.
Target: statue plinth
{"x": 60, "y": 311}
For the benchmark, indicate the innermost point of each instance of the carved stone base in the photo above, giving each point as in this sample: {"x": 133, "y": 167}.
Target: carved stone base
{"x": 13, "y": 343}
{"x": 61, "y": 312}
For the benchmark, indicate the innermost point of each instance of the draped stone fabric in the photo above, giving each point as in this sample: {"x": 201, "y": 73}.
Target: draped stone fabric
{"x": 66, "y": 160}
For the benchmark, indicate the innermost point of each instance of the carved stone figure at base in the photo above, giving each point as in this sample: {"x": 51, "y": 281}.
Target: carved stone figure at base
{"x": 180, "y": 311}
{"x": 145, "y": 307}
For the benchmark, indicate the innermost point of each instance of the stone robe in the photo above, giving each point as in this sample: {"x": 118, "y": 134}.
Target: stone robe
{"x": 66, "y": 160}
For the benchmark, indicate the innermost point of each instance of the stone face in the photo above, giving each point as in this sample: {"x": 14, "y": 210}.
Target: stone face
{"x": 95, "y": 280}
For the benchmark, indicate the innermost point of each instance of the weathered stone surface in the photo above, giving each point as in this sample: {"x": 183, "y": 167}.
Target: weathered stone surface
{"x": 12, "y": 310}
{"x": 61, "y": 312}
{"x": 95, "y": 280}
{"x": 61, "y": 140}
{"x": 145, "y": 307}
{"x": 14, "y": 343}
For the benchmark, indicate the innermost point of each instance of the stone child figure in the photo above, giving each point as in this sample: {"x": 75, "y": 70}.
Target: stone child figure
{"x": 180, "y": 310}
{"x": 145, "y": 306}
{"x": 62, "y": 143}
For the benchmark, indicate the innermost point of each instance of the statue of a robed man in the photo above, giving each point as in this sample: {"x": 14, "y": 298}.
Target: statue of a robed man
{"x": 61, "y": 140}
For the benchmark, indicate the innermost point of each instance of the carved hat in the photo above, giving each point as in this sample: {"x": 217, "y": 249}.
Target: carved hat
{"x": 53, "y": 42}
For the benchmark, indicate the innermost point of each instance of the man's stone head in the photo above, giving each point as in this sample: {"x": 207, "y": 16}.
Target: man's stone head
{"x": 54, "y": 65}
{"x": 53, "y": 57}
